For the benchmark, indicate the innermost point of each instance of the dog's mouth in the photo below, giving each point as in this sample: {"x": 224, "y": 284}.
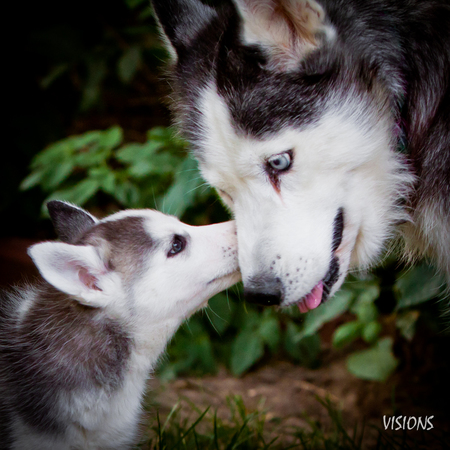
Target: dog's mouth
{"x": 321, "y": 291}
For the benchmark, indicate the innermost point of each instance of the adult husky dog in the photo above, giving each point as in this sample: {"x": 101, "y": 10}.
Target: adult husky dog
{"x": 77, "y": 347}
{"x": 323, "y": 125}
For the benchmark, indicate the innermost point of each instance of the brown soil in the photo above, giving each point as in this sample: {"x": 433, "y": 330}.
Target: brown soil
{"x": 288, "y": 392}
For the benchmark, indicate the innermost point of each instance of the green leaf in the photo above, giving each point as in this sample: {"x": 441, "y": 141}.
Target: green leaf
{"x": 78, "y": 194}
{"x": 371, "y": 331}
{"x": 406, "y": 323}
{"x": 141, "y": 170}
{"x": 182, "y": 193}
{"x": 418, "y": 285}
{"x": 366, "y": 294}
{"x": 129, "y": 63}
{"x": 160, "y": 164}
{"x": 221, "y": 312}
{"x": 135, "y": 153}
{"x": 93, "y": 156}
{"x": 366, "y": 312}
{"x": 247, "y": 349}
{"x": 333, "y": 308}
{"x": 203, "y": 352}
{"x": 376, "y": 363}
{"x": 32, "y": 180}
{"x": 59, "y": 173}
{"x": 80, "y": 141}
{"x": 53, "y": 154}
{"x": 347, "y": 333}
{"x": 162, "y": 134}
{"x": 248, "y": 318}
{"x": 369, "y": 293}
{"x": 165, "y": 163}
{"x": 127, "y": 194}
{"x": 269, "y": 329}
{"x": 111, "y": 138}
{"x": 305, "y": 350}
{"x": 105, "y": 177}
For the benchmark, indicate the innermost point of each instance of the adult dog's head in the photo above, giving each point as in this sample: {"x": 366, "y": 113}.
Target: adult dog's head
{"x": 290, "y": 118}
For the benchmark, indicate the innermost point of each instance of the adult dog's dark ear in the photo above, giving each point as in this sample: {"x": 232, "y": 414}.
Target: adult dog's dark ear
{"x": 181, "y": 21}
{"x": 70, "y": 221}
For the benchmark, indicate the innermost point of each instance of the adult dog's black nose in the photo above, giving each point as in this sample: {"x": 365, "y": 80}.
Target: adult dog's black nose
{"x": 262, "y": 298}
{"x": 263, "y": 290}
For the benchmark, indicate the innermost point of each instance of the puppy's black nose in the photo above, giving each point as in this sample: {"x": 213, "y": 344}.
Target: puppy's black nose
{"x": 262, "y": 298}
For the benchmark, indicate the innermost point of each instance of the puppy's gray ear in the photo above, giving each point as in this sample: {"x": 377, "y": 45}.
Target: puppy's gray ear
{"x": 181, "y": 20}
{"x": 70, "y": 221}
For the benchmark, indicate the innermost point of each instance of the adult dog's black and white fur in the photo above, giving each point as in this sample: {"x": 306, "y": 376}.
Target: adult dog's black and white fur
{"x": 77, "y": 348}
{"x": 323, "y": 125}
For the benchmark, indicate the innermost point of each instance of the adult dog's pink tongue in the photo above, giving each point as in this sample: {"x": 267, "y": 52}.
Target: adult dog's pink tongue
{"x": 313, "y": 299}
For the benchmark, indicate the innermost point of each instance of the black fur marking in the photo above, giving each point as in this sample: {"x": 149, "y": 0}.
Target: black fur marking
{"x": 182, "y": 20}
{"x": 330, "y": 278}
{"x": 338, "y": 230}
{"x": 69, "y": 222}
{"x": 332, "y": 275}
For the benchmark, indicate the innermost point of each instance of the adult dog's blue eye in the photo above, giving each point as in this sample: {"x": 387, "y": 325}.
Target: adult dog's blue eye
{"x": 178, "y": 245}
{"x": 280, "y": 162}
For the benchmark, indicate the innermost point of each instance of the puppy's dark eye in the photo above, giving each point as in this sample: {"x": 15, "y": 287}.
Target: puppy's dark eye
{"x": 178, "y": 245}
{"x": 280, "y": 162}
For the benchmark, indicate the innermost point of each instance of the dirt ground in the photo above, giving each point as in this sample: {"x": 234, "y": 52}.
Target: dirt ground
{"x": 286, "y": 391}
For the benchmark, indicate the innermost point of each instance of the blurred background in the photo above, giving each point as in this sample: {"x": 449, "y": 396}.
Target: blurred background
{"x": 87, "y": 120}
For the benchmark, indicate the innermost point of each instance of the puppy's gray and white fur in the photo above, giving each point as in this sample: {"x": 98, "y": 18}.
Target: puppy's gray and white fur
{"x": 324, "y": 126}
{"x": 77, "y": 347}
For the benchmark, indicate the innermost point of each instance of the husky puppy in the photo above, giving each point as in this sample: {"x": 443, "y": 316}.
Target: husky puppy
{"x": 323, "y": 124}
{"x": 77, "y": 348}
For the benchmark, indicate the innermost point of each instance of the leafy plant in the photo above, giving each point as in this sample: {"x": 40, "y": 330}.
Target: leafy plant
{"x": 79, "y": 168}
{"x": 376, "y": 363}
{"x": 412, "y": 288}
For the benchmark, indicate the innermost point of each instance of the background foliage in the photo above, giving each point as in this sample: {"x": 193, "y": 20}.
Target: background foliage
{"x": 94, "y": 78}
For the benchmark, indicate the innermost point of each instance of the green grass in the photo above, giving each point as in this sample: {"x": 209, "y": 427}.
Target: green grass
{"x": 250, "y": 430}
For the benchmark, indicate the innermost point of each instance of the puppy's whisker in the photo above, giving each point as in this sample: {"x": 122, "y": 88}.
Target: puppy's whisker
{"x": 210, "y": 321}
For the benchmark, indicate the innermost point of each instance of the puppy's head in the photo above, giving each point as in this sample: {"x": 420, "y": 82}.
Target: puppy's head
{"x": 137, "y": 263}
